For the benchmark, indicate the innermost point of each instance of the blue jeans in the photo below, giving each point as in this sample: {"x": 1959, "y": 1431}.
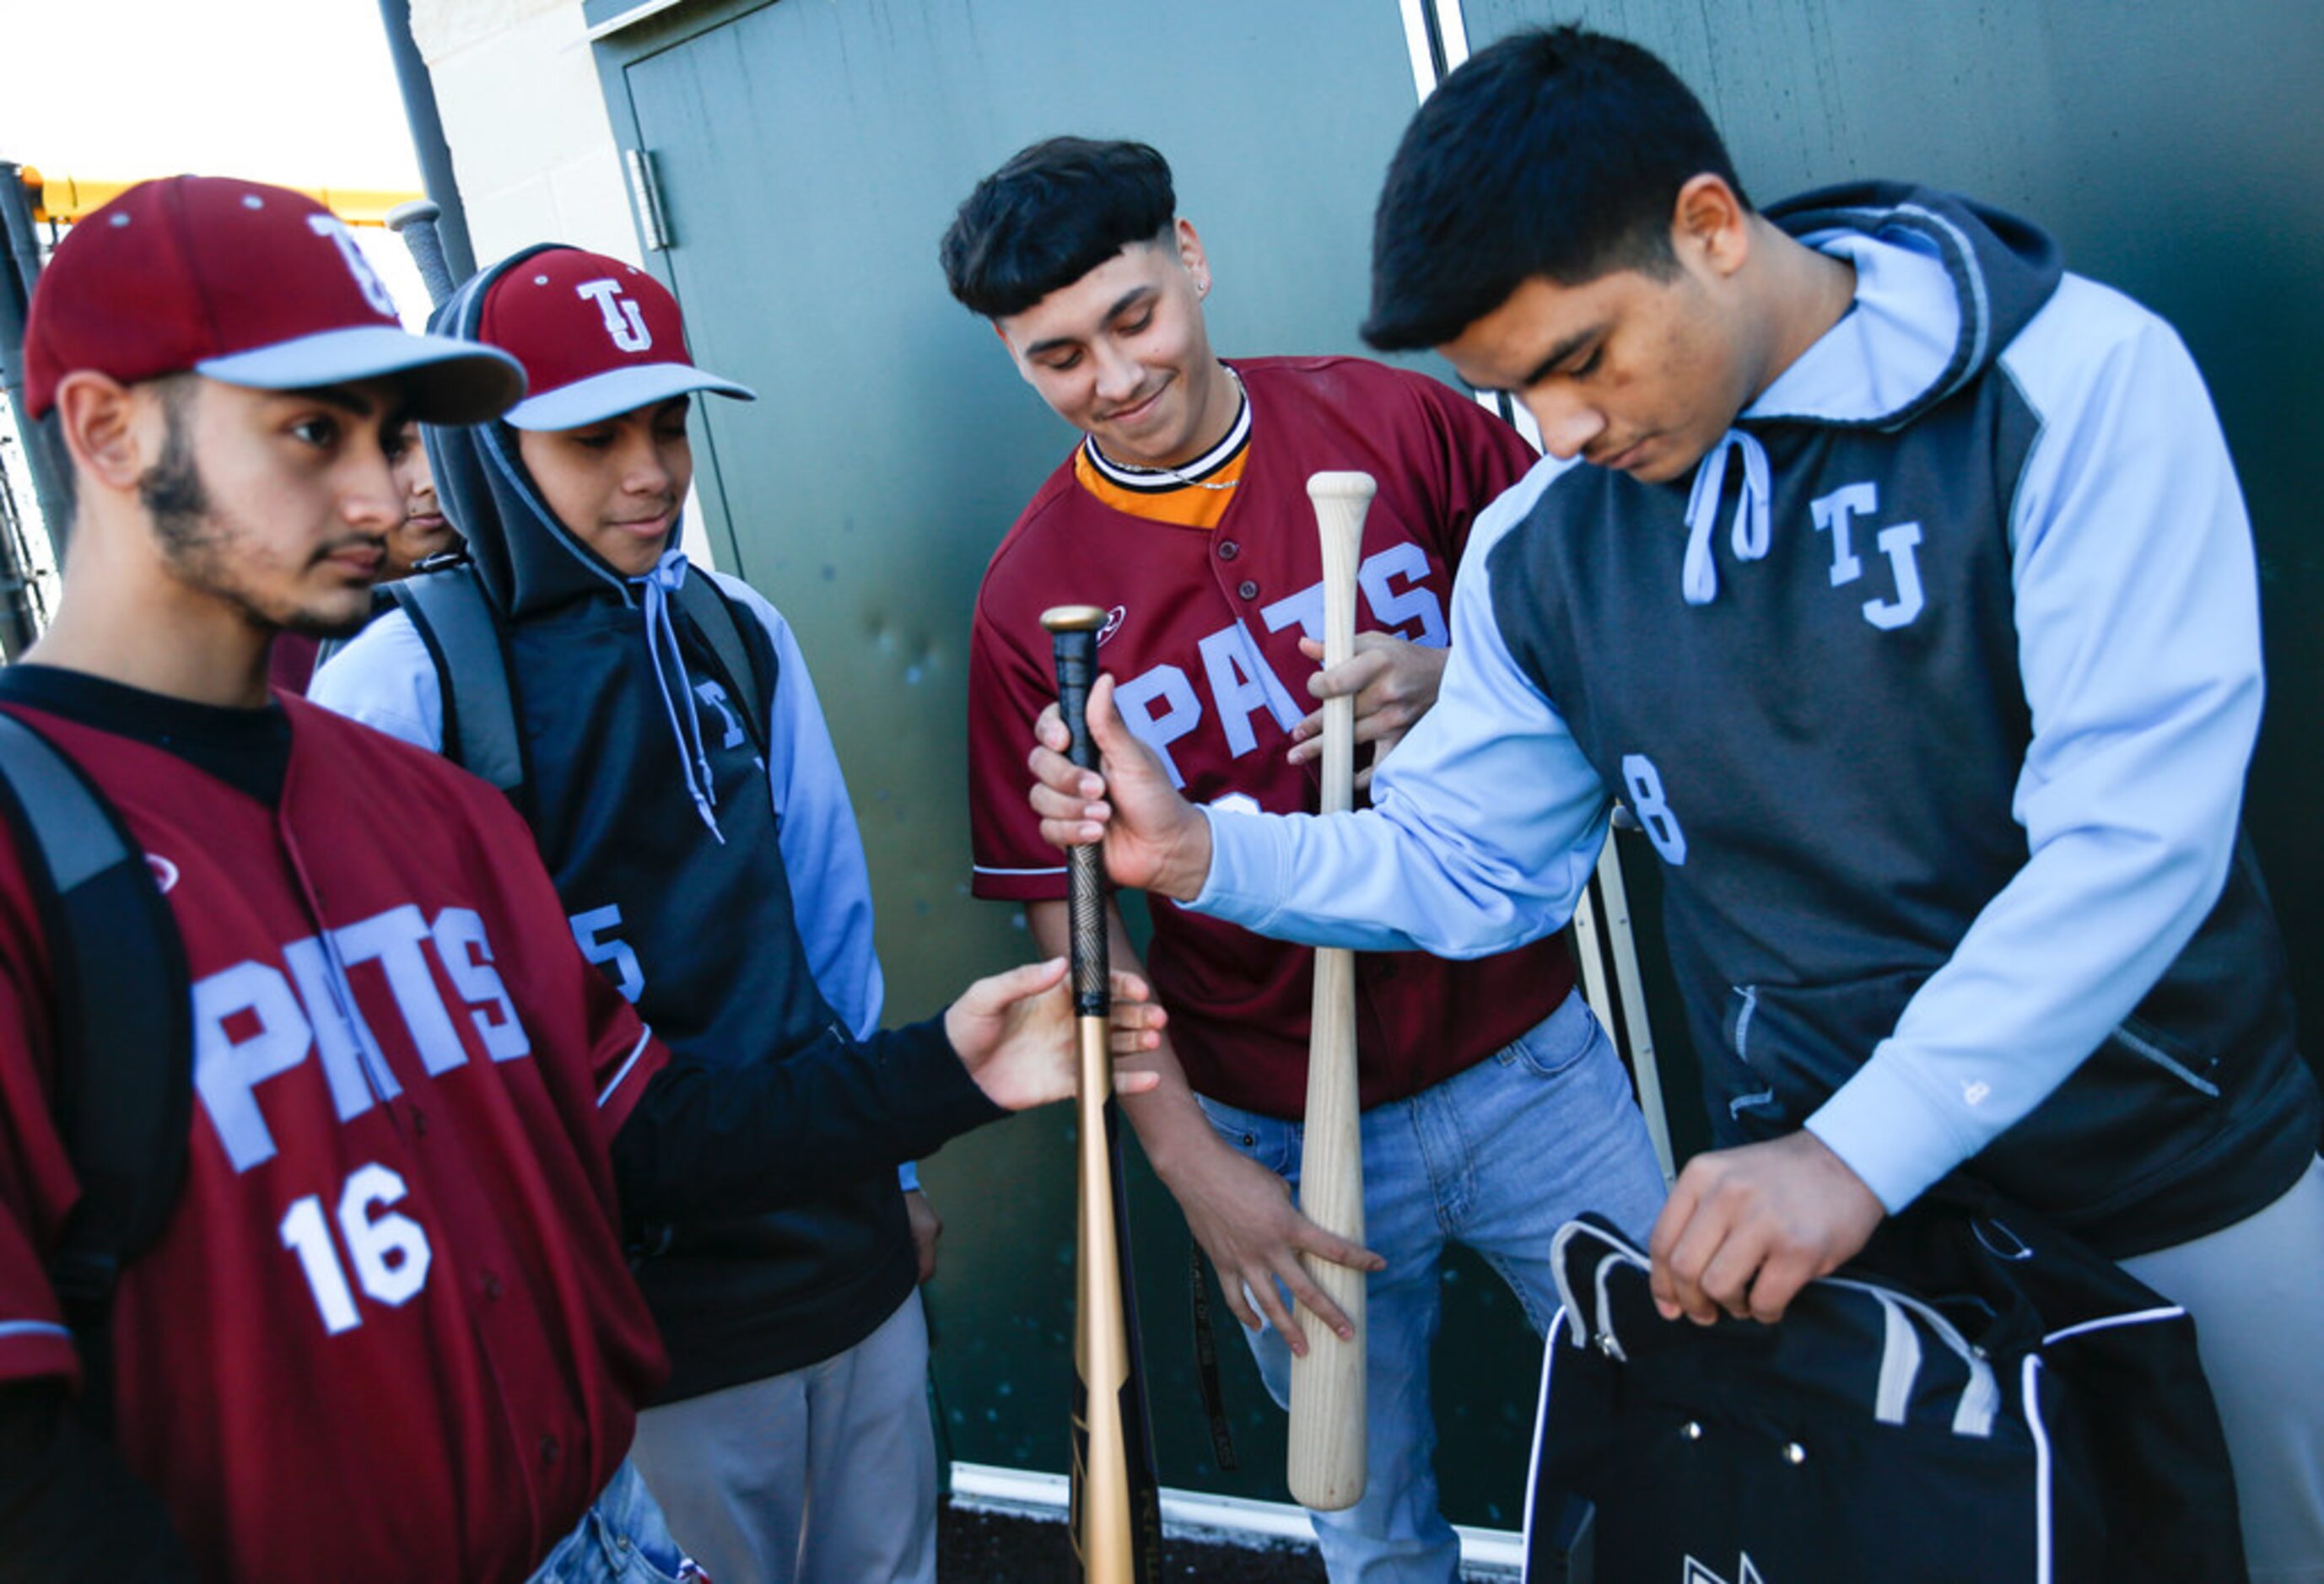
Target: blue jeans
{"x": 620, "y": 1539}
{"x": 1496, "y": 1158}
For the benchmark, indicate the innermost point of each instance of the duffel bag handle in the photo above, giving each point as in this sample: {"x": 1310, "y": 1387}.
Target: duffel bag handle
{"x": 1900, "y": 1354}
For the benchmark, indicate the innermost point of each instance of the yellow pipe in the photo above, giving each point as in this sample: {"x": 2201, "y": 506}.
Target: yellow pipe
{"x": 66, "y": 199}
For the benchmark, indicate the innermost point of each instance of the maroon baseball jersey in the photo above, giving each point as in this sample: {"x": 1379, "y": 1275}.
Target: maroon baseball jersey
{"x": 389, "y": 1332}
{"x": 1202, "y": 639}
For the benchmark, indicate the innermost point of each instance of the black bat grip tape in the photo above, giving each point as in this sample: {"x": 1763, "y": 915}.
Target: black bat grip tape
{"x": 1076, "y": 659}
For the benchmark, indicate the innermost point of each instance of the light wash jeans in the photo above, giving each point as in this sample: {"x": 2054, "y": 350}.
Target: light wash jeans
{"x": 620, "y": 1540}
{"x": 1496, "y": 1158}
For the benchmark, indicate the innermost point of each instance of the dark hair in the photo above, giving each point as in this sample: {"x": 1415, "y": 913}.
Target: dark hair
{"x": 1557, "y": 152}
{"x": 1055, "y": 212}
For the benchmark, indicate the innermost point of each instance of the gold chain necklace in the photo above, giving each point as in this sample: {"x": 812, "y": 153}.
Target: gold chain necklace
{"x": 1243, "y": 399}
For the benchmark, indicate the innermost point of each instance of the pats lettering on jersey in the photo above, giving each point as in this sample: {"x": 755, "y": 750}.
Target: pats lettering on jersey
{"x": 255, "y": 1021}
{"x": 1161, "y": 704}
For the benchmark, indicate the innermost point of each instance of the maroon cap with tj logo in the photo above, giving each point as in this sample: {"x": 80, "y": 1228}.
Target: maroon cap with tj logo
{"x": 597, "y": 339}
{"x": 243, "y": 283}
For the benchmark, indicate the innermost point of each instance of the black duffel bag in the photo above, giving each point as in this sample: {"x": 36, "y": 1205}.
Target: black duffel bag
{"x": 2017, "y": 1407}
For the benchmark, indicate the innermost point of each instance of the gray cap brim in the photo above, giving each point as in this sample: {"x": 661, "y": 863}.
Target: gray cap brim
{"x": 445, "y": 381}
{"x": 616, "y": 392}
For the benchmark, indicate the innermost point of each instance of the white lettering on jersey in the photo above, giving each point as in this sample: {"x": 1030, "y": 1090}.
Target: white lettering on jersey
{"x": 1896, "y": 543}
{"x": 230, "y": 1064}
{"x": 468, "y": 958}
{"x": 714, "y": 695}
{"x": 1182, "y": 712}
{"x": 625, "y": 322}
{"x": 253, "y": 1022}
{"x": 351, "y": 254}
{"x": 1241, "y": 684}
{"x": 165, "y": 873}
{"x": 1305, "y": 607}
{"x": 1833, "y": 514}
{"x": 593, "y": 933}
{"x": 340, "y": 1033}
{"x": 391, "y": 939}
{"x": 1417, "y": 604}
{"x": 1643, "y": 782}
{"x": 390, "y": 1251}
{"x": 1161, "y": 705}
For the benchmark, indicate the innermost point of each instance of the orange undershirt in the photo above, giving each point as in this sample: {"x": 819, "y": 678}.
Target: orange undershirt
{"x": 1196, "y": 504}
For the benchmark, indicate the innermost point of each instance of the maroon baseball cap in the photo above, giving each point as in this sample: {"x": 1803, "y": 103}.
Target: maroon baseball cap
{"x": 243, "y": 283}
{"x": 597, "y": 339}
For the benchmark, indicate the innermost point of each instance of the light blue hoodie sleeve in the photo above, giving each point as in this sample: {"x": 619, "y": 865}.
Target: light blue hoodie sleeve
{"x": 823, "y": 851}
{"x": 385, "y": 678}
{"x": 2137, "y": 614}
{"x": 1486, "y": 820}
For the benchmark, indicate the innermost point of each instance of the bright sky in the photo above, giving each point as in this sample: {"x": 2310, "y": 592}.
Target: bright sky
{"x": 300, "y": 92}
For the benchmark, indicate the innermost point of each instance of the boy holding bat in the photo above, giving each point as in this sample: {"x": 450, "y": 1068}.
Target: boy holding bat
{"x": 1900, "y": 581}
{"x": 1494, "y": 1106}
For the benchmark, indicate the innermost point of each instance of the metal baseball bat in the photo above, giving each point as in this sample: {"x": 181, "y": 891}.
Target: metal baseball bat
{"x": 415, "y": 222}
{"x": 1327, "y": 1386}
{"x": 1117, "y": 1509}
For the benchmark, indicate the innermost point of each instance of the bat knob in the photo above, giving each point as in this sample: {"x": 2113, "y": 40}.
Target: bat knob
{"x": 1072, "y": 618}
{"x": 418, "y": 212}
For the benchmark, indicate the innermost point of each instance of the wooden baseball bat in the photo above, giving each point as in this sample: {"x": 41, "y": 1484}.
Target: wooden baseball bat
{"x": 1117, "y": 1505}
{"x": 1327, "y": 1385}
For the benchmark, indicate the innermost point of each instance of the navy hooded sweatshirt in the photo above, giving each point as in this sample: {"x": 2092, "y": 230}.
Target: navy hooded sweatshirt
{"x": 650, "y": 799}
{"x": 1933, "y": 687}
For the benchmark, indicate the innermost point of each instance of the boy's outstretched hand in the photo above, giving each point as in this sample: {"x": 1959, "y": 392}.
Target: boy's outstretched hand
{"x": 1014, "y": 1033}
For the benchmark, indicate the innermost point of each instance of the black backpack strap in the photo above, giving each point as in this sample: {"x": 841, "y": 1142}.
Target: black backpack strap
{"x": 455, "y": 619}
{"x": 721, "y": 625}
{"x": 124, "y": 1033}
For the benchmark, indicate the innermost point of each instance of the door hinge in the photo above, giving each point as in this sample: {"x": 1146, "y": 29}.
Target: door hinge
{"x": 645, "y": 199}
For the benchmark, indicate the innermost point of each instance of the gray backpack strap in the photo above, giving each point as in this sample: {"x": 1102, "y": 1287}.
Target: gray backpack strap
{"x": 455, "y": 619}
{"x": 716, "y": 618}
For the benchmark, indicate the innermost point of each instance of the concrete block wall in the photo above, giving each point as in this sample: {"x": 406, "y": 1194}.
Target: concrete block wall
{"x": 525, "y": 115}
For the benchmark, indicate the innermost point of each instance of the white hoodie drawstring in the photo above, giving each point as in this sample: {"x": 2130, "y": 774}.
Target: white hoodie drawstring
{"x": 1699, "y": 578}
{"x": 661, "y": 641}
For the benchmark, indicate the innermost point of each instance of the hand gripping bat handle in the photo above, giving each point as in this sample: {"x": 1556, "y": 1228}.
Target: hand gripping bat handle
{"x": 1073, "y": 636}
